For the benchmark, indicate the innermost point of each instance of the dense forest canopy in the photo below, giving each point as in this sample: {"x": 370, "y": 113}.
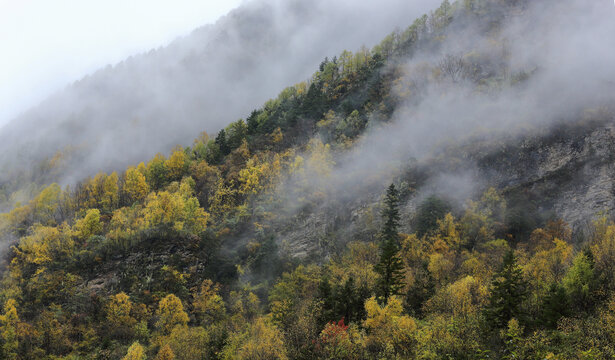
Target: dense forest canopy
{"x": 374, "y": 211}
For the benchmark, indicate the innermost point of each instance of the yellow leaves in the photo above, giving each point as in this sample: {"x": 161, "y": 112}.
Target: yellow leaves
{"x": 101, "y": 192}
{"x": 379, "y": 317}
{"x": 45, "y": 204}
{"x": 175, "y": 210}
{"x": 118, "y": 311}
{"x": 185, "y": 343}
{"x": 165, "y": 353}
{"x": 9, "y": 322}
{"x": 603, "y": 249}
{"x": 387, "y": 327}
{"x": 163, "y": 208}
{"x": 45, "y": 244}
{"x": 135, "y": 184}
{"x": 224, "y": 199}
{"x": 461, "y": 298}
{"x": 135, "y": 352}
{"x": 262, "y": 340}
{"x": 208, "y": 304}
{"x": 250, "y": 177}
{"x": 110, "y": 195}
{"x": 549, "y": 265}
{"x": 358, "y": 262}
{"x": 277, "y": 136}
{"x": 170, "y": 314}
{"x": 89, "y": 225}
{"x": 440, "y": 267}
{"x": 176, "y": 164}
{"x": 320, "y": 162}
{"x": 124, "y": 224}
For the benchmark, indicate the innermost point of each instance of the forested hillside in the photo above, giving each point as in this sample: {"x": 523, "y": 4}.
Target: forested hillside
{"x": 442, "y": 195}
{"x": 126, "y": 113}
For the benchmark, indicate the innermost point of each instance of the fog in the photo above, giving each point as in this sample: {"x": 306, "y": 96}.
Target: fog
{"x": 47, "y": 44}
{"x": 567, "y": 49}
{"x": 151, "y": 102}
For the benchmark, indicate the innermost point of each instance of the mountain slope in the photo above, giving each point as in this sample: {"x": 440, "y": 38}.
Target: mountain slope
{"x": 149, "y": 103}
{"x": 266, "y": 241}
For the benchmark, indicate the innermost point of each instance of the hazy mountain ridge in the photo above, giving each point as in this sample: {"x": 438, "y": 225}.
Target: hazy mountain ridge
{"x": 405, "y": 202}
{"x": 149, "y": 103}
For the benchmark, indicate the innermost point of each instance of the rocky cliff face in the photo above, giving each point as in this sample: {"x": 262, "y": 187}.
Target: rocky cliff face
{"x": 571, "y": 171}
{"x": 565, "y": 172}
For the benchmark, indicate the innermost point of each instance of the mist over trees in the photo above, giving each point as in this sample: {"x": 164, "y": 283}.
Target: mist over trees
{"x": 151, "y": 102}
{"x": 405, "y": 201}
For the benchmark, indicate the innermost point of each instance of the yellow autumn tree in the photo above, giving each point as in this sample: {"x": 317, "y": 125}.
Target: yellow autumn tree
{"x": 262, "y": 340}
{"x": 174, "y": 210}
{"x": 110, "y": 192}
{"x": 224, "y": 199}
{"x": 135, "y": 184}
{"x": 45, "y": 244}
{"x": 176, "y": 164}
{"x": 462, "y": 298}
{"x": 320, "y": 161}
{"x": 125, "y": 225}
{"x": 170, "y": 313}
{"x": 549, "y": 265}
{"x": 89, "y": 225}
{"x": 208, "y": 304}
{"x": 45, "y": 204}
{"x": 8, "y": 330}
{"x": 135, "y": 352}
{"x": 603, "y": 249}
{"x": 388, "y": 328}
{"x": 165, "y": 353}
{"x": 188, "y": 342}
{"x": 117, "y": 312}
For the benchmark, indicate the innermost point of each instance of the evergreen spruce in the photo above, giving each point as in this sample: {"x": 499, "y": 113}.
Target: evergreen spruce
{"x": 509, "y": 291}
{"x": 390, "y": 267}
{"x": 222, "y": 143}
{"x": 555, "y": 305}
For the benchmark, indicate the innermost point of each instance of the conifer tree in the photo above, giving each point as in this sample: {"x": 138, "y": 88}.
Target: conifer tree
{"x": 222, "y": 143}
{"x": 555, "y": 305}
{"x": 390, "y": 267}
{"x": 508, "y": 292}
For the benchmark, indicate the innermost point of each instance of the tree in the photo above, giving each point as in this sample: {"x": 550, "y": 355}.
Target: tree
{"x": 8, "y": 330}
{"x": 177, "y": 164}
{"x": 135, "y": 185}
{"x": 222, "y": 143}
{"x": 390, "y": 214}
{"x": 157, "y": 172}
{"x": 118, "y": 315}
{"x": 165, "y": 353}
{"x": 262, "y": 340}
{"x": 187, "y": 343}
{"x": 208, "y": 304}
{"x": 508, "y": 292}
{"x": 390, "y": 267}
{"x": 554, "y": 306}
{"x": 88, "y": 226}
{"x": 236, "y": 132}
{"x": 110, "y": 193}
{"x": 580, "y": 281}
{"x": 170, "y": 313}
{"x": 135, "y": 352}
{"x": 387, "y": 327}
{"x": 428, "y": 214}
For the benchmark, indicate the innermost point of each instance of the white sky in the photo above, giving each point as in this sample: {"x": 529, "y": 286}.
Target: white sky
{"x": 46, "y": 44}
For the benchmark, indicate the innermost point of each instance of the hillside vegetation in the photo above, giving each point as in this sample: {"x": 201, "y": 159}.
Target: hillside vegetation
{"x": 217, "y": 250}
